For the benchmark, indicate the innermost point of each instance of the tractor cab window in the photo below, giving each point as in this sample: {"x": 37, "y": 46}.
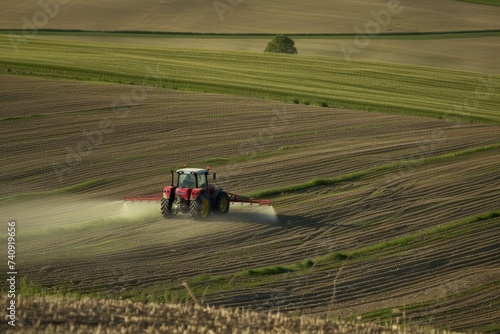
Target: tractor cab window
{"x": 202, "y": 180}
{"x": 187, "y": 180}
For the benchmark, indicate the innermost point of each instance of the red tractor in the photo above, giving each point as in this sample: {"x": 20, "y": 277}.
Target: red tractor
{"x": 194, "y": 195}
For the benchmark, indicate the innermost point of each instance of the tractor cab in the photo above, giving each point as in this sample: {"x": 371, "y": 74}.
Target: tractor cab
{"x": 192, "y": 178}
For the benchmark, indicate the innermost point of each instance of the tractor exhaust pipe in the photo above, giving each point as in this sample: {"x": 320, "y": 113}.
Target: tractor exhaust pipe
{"x": 172, "y": 173}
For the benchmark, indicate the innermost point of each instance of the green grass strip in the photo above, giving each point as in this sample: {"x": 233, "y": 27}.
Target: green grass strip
{"x": 276, "y": 270}
{"x": 356, "y": 175}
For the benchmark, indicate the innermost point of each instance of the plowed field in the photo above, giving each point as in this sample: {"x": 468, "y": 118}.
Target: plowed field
{"x": 396, "y": 213}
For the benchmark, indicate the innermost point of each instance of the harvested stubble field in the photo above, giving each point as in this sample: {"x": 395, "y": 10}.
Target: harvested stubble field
{"x": 65, "y": 315}
{"x": 378, "y": 215}
{"x": 249, "y": 16}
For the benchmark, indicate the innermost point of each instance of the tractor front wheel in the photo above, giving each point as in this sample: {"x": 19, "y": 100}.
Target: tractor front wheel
{"x": 200, "y": 207}
{"x": 166, "y": 208}
{"x": 222, "y": 203}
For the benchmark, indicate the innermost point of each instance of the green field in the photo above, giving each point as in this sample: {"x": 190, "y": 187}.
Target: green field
{"x": 328, "y": 82}
{"x": 470, "y": 51}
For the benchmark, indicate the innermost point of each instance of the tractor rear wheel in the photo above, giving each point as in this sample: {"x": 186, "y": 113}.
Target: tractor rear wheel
{"x": 222, "y": 203}
{"x": 166, "y": 208}
{"x": 200, "y": 207}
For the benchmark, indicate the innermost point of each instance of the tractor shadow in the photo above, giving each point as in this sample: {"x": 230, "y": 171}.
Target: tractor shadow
{"x": 246, "y": 213}
{"x": 263, "y": 214}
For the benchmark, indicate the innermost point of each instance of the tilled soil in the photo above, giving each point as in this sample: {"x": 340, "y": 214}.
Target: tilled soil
{"x": 74, "y": 150}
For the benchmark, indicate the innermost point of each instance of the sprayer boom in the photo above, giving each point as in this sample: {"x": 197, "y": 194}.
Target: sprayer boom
{"x": 242, "y": 199}
{"x": 233, "y": 198}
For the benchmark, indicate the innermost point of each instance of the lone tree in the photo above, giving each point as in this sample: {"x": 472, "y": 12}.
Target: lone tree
{"x": 281, "y": 44}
